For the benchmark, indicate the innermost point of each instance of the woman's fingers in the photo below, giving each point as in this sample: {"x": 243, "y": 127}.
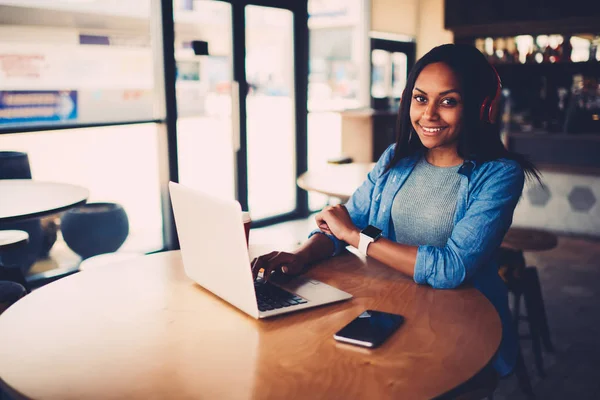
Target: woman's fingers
{"x": 278, "y": 262}
{"x": 325, "y": 229}
{"x": 293, "y": 268}
{"x": 322, "y": 224}
{"x": 320, "y": 217}
{"x": 261, "y": 263}
{"x": 287, "y": 262}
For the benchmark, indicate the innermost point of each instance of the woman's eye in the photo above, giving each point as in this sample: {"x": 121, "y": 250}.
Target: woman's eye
{"x": 449, "y": 101}
{"x": 420, "y": 99}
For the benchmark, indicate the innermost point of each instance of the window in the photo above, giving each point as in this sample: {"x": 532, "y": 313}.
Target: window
{"x": 58, "y": 68}
{"x": 80, "y": 63}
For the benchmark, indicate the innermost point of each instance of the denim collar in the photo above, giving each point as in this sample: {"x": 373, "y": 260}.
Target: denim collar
{"x": 467, "y": 168}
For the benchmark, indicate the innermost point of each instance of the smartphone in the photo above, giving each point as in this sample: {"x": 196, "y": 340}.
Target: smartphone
{"x": 369, "y": 329}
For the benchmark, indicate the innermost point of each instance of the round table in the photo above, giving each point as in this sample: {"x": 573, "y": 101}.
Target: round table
{"x": 22, "y": 199}
{"x": 26, "y": 198}
{"x": 335, "y": 180}
{"x": 142, "y": 329}
{"x": 12, "y": 238}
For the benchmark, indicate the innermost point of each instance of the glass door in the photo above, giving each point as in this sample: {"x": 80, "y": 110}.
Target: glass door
{"x": 391, "y": 61}
{"x": 207, "y": 95}
{"x": 270, "y": 111}
{"x": 241, "y": 99}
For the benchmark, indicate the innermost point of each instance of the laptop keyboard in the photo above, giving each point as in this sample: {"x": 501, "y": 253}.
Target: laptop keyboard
{"x": 270, "y": 297}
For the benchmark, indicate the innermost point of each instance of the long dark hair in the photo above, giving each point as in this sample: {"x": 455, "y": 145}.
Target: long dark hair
{"x": 478, "y": 140}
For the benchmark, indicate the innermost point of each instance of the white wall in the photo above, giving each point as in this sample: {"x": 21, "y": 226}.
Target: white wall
{"x": 431, "y": 32}
{"x": 566, "y": 204}
{"x": 421, "y": 19}
{"x": 395, "y": 16}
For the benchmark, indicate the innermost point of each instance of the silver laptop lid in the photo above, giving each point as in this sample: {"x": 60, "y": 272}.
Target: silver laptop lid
{"x": 213, "y": 245}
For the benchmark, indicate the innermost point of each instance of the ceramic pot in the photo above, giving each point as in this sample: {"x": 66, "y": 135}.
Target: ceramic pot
{"x": 14, "y": 165}
{"x": 95, "y": 228}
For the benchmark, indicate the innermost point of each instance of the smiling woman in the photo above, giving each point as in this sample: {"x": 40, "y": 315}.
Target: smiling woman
{"x": 442, "y": 196}
{"x": 436, "y": 113}
{"x": 448, "y": 110}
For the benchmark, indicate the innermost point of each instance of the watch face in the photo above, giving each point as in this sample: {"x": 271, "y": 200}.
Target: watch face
{"x": 371, "y": 231}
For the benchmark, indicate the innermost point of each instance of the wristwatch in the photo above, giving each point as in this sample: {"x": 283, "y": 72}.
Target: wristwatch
{"x": 367, "y": 236}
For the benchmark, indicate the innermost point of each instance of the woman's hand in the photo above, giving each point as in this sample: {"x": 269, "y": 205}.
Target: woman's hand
{"x": 336, "y": 221}
{"x": 288, "y": 263}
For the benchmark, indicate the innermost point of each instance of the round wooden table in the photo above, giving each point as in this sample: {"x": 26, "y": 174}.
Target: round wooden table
{"x": 26, "y": 198}
{"x": 141, "y": 329}
{"x": 335, "y": 180}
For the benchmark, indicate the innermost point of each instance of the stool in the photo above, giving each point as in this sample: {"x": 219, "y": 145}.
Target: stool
{"x": 10, "y": 292}
{"x": 523, "y": 281}
{"x": 523, "y": 376}
{"x": 106, "y": 259}
{"x": 10, "y": 240}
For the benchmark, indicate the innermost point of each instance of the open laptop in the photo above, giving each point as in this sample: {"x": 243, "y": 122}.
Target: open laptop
{"x": 215, "y": 255}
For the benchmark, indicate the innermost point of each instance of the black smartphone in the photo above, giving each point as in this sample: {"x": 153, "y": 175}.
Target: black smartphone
{"x": 369, "y": 329}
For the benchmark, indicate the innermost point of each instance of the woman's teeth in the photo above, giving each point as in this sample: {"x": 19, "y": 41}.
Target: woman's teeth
{"x": 431, "y": 130}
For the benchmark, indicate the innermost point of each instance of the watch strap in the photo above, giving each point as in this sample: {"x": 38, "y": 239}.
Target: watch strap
{"x": 363, "y": 243}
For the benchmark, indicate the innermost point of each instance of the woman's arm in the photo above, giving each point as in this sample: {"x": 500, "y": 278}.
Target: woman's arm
{"x": 359, "y": 204}
{"x": 322, "y": 243}
{"x": 336, "y": 220}
{"x": 478, "y": 235}
{"x": 316, "y": 248}
{"x": 472, "y": 242}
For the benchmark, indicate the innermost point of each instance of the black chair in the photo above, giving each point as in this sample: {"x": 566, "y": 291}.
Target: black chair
{"x": 523, "y": 376}
{"x": 11, "y": 241}
{"x": 523, "y": 282}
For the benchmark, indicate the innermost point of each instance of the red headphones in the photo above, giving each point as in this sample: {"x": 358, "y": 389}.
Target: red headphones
{"x": 489, "y": 108}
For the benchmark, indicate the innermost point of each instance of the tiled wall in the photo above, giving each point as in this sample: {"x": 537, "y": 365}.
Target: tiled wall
{"x": 567, "y": 203}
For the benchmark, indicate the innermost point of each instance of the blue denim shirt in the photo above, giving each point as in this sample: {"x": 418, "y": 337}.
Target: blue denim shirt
{"x": 487, "y": 197}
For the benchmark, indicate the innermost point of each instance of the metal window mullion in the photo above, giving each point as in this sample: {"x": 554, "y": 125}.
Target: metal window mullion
{"x": 163, "y": 40}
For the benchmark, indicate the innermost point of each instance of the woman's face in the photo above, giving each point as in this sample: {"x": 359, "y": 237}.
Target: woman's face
{"x": 436, "y": 107}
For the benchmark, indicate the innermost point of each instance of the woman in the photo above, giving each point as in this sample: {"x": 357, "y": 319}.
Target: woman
{"x": 443, "y": 195}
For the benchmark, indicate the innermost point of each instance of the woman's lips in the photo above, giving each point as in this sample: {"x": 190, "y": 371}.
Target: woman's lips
{"x": 432, "y": 130}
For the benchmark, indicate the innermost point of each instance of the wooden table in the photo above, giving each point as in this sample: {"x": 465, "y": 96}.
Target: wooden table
{"x": 25, "y": 198}
{"x": 335, "y": 180}
{"x": 142, "y": 329}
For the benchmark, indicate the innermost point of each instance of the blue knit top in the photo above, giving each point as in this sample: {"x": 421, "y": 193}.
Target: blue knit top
{"x": 423, "y": 209}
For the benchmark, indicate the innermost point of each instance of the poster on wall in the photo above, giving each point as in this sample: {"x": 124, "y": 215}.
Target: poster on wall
{"x": 25, "y": 106}
{"x": 71, "y": 83}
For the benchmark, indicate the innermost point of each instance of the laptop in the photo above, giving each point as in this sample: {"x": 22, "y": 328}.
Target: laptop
{"x": 215, "y": 255}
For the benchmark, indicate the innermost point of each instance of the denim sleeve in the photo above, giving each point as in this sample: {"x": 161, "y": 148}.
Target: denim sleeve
{"x": 477, "y": 235}
{"x": 359, "y": 204}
